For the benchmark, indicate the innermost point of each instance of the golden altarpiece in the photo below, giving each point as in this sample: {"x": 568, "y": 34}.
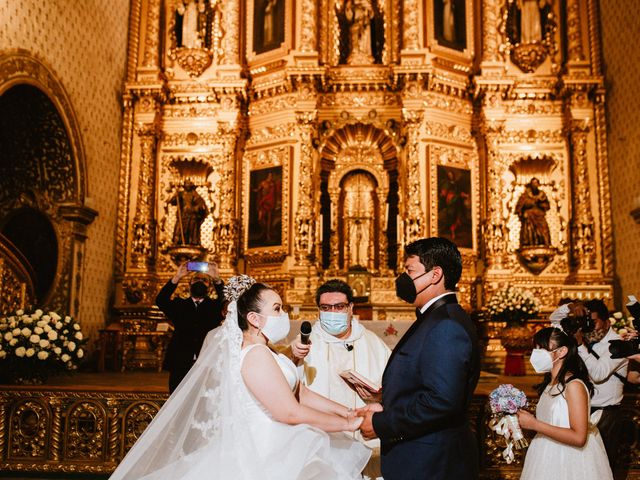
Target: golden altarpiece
{"x": 300, "y": 141}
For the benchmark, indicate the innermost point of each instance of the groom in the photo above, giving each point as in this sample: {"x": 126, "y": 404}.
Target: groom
{"x": 429, "y": 380}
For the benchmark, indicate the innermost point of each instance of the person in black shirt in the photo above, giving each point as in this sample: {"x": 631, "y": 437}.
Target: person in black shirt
{"x": 192, "y": 319}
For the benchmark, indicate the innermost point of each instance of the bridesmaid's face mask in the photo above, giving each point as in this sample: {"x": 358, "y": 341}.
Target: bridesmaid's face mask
{"x": 541, "y": 360}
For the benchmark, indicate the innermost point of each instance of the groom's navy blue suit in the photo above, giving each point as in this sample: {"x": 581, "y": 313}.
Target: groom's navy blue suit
{"x": 427, "y": 388}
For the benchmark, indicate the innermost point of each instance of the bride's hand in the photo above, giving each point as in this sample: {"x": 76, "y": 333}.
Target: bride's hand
{"x": 353, "y": 423}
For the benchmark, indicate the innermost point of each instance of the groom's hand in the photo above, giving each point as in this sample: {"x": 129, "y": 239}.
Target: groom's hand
{"x": 366, "y": 428}
{"x": 371, "y": 407}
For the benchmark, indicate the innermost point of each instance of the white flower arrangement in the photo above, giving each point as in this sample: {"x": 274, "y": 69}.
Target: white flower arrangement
{"x": 622, "y": 325}
{"x": 512, "y": 305}
{"x": 36, "y": 345}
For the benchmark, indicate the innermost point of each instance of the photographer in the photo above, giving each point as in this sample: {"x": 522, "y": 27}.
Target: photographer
{"x": 608, "y": 375}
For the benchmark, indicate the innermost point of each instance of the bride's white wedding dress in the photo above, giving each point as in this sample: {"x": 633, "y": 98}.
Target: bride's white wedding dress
{"x": 549, "y": 459}
{"x": 213, "y": 428}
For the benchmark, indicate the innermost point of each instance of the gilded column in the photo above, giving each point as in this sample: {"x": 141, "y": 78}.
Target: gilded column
{"x": 152, "y": 35}
{"x": 574, "y": 32}
{"x": 411, "y": 34}
{"x": 144, "y": 222}
{"x": 231, "y": 39}
{"x": 304, "y": 233}
{"x": 383, "y": 256}
{"x": 413, "y": 213}
{"x": 308, "y": 34}
{"x": 490, "y": 33}
{"x": 55, "y": 447}
{"x": 225, "y": 230}
{"x": 494, "y": 230}
{"x": 113, "y": 441}
{"x": 4, "y": 427}
{"x": 583, "y": 245}
{"x": 335, "y": 243}
{"x": 125, "y": 185}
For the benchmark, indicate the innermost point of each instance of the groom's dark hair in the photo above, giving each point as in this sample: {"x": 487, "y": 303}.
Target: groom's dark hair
{"x": 438, "y": 252}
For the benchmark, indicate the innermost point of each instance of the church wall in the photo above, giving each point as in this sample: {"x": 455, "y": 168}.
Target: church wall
{"x": 620, "y": 33}
{"x": 85, "y": 45}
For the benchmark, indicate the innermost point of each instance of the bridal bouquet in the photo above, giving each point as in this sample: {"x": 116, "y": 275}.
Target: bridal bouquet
{"x": 36, "y": 345}
{"x": 505, "y": 402}
{"x": 622, "y": 325}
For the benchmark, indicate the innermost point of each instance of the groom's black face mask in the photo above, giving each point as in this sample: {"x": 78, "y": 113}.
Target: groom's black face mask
{"x": 406, "y": 289}
{"x": 198, "y": 290}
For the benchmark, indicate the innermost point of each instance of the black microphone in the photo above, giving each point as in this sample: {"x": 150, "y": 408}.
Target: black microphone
{"x": 348, "y": 346}
{"x": 305, "y": 331}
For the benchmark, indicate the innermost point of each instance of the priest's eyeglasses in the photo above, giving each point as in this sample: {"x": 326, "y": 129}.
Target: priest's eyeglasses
{"x": 337, "y": 307}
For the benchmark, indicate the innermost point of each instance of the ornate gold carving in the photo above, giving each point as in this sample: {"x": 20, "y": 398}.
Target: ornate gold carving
{"x": 231, "y": 29}
{"x": 304, "y": 233}
{"x": 144, "y": 238}
{"x": 492, "y": 37}
{"x": 308, "y": 33}
{"x": 411, "y": 33}
{"x": 193, "y": 60}
{"x": 574, "y": 32}
{"x": 413, "y": 227}
{"x": 136, "y": 419}
{"x": 582, "y": 222}
{"x": 29, "y": 429}
{"x": 152, "y": 35}
{"x": 113, "y": 435}
{"x": 57, "y": 406}
{"x": 86, "y": 432}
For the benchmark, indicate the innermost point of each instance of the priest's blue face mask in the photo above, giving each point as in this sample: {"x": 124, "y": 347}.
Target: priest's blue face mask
{"x": 334, "y": 323}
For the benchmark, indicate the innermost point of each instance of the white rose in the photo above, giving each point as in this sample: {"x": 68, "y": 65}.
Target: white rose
{"x": 38, "y": 330}
{"x": 8, "y": 336}
{"x": 46, "y": 318}
{"x": 76, "y": 326}
{"x": 52, "y": 335}
{"x": 30, "y": 352}
{"x": 44, "y": 343}
{"x": 57, "y": 350}
{"x": 67, "y": 319}
{"x": 27, "y": 321}
{"x": 3, "y": 326}
{"x": 80, "y": 353}
{"x": 20, "y": 351}
{"x": 65, "y": 358}
{"x": 16, "y": 332}
{"x": 43, "y": 355}
{"x": 26, "y": 332}
{"x": 13, "y": 341}
{"x": 40, "y": 324}
{"x": 58, "y": 325}
{"x": 34, "y": 338}
{"x": 71, "y": 346}
{"x": 3, "y": 354}
{"x": 78, "y": 335}
{"x": 47, "y": 328}
{"x": 19, "y": 312}
{"x": 38, "y": 313}
{"x": 617, "y": 315}
{"x": 55, "y": 316}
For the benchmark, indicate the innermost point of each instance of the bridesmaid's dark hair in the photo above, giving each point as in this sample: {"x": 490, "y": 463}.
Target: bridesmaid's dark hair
{"x": 249, "y": 301}
{"x": 551, "y": 338}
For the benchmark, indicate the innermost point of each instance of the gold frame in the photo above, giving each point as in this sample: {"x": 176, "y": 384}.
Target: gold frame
{"x": 279, "y": 155}
{"x": 458, "y": 157}
{"x": 254, "y": 58}
{"x": 451, "y": 54}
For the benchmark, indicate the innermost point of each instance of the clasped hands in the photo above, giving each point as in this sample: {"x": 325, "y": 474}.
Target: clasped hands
{"x": 366, "y": 414}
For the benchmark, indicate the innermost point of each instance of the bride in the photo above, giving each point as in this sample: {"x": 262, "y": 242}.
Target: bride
{"x": 242, "y": 413}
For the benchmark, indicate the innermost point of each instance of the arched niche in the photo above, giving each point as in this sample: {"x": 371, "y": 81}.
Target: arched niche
{"x": 42, "y": 177}
{"x": 366, "y": 151}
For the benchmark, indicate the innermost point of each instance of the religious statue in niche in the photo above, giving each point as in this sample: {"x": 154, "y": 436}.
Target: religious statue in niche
{"x": 268, "y": 25}
{"x": 535, "y": 237}
{"x": 361, "y": 32}
{"x": 530, "y": 24}
{"x": 450, "y": 23}
{"x": 191, "y": 210}
{"x": 193, "y": 24}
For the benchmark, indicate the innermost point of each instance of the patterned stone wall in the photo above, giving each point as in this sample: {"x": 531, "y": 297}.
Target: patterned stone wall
{"x": 620, "y": 35}
{"x": 84, "y": 43}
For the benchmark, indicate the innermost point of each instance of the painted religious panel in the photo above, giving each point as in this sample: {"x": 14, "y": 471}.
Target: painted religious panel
{"x": 268, "y": 25}
{"x": 265, "y": 208}
{"x": 449, "y": 23}
{"x": 455, "y": 205}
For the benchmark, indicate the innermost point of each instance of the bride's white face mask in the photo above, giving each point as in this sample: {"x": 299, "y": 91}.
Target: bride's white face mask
{"x": 276, "y": 326}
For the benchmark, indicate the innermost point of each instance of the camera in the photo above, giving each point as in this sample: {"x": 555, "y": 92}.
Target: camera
{"x": 578, "y": 319}
{"x": 625, "y": 348}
